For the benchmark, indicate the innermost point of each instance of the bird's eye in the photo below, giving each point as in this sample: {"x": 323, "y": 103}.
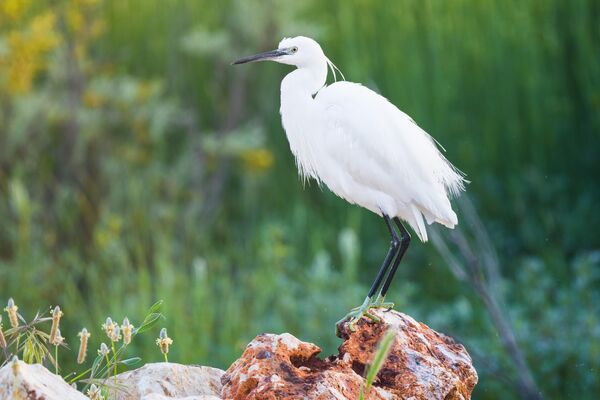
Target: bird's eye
{"x": 294, "y": 49}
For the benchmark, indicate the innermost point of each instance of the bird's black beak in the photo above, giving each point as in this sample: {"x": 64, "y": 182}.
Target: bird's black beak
{"x": 267, "y": 55}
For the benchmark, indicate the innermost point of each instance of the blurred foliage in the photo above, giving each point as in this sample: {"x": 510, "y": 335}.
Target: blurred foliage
{"x": 136, "y": 164}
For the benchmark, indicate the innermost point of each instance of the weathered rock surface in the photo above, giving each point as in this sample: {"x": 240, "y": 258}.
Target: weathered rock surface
{"x": 155, "y": 396}
{"x": 423, "y": 364}
{"x": 169, "y": 380}
{"x": 19, "y": 380}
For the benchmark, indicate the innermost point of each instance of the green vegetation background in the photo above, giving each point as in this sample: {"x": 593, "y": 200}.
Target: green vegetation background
{"x": 136, "y": 164}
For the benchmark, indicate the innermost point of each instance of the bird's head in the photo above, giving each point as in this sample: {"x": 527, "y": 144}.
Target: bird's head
{"x": 300, "y": 51}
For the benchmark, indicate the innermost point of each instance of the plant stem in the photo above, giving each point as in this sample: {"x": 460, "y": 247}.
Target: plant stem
{"x": 166, "y": 357}
{"x": 76, "y": 378}
{"x": 115, "y": 359}
{"x": 56, "y": 359}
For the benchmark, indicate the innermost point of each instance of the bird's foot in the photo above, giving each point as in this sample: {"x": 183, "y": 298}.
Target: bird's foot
{"x": 356, "y": 314}
{"x": 381, "y": 303}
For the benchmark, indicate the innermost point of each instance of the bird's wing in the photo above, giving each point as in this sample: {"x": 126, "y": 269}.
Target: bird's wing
{"x": 384, "y": 148}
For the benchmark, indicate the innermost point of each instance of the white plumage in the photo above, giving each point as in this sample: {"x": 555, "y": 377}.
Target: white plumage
{"x": 363, "y": 148}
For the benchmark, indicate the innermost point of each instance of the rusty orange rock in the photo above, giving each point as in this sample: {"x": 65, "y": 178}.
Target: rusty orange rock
{"x": 423, "y": 364}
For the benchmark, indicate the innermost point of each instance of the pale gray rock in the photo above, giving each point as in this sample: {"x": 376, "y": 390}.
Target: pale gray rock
{"x": 21, "y": 381}
{"x": 160, "y": 381}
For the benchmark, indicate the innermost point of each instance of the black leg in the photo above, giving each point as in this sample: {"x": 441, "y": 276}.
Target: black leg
{"x": 397, "y": 248}
{"x": 394, "y": 245}
{"x": 404, "y": 242}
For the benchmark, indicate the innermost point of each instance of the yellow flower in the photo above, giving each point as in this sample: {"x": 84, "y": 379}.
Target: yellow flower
{"x": 82, "y": 26}
{"x": 92, "y": 100}
{"x": 27, "y": 49}
{"x": 257, "y": 159}
{"x": 75, "y": 19}
{"x": 13, "y": 9}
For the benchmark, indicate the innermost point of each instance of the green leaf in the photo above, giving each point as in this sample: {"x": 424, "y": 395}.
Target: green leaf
{"x": 152, "y": 318}
{"x": 155, "y": 307}
{"x": 131, "y": 361}
{"x": 361, "y": 395}
{"x": 95, "y": 365}
{"x": 383, "y": 350}
{"x": 148, "y": 323}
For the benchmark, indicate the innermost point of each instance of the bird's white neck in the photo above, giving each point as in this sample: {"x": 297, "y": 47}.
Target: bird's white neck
{"x": 299, "y": 116}
{"x": 306, "y": 79}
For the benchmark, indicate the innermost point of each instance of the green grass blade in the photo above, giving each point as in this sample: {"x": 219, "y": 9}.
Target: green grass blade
{"x": 381, "y": 354}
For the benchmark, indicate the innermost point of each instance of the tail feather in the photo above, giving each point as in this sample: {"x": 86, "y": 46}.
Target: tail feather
{"x": 416, "y": 222}
{"x": 448, "y": 219}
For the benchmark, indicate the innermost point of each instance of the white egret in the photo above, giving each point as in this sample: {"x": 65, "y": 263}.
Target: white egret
{"x": 366, "y": 151}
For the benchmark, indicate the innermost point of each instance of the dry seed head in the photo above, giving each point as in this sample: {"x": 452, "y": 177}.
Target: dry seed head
{"x": 104, "y": 350}
{"x": 11, "y": 309}
{"x": 164, "y": 341}
{"x": 58, "y": 339}
{"x": 15, "y": 365}
{"x": 108, "y": 326}
{"x": 163, "y": 333}
{"x": 56, "y": 314}
{"x": 94, "y": 392}
{"x": 115, "y": 335}
{"x": 127, "y": 330}
{"x": 2, "y": 338}
{"x": 83, "y": 344}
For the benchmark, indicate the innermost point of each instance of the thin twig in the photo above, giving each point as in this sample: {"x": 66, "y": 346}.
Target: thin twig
{"x": 480, "y": 270}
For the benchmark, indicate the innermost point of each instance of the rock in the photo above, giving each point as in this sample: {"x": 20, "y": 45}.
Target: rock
{"x": 423, "y": 364}
{"x": 19, "y": 380}
{"x": 154, "y": 396}
{"x": 169, "y": 380}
